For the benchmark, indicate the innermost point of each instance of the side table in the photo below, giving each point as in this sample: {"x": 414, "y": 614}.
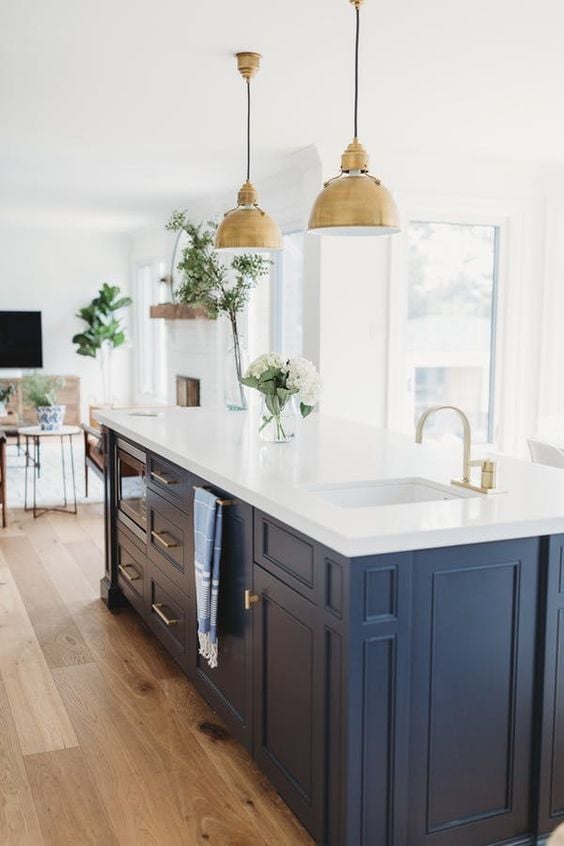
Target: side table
{"x": 32, "y": 435}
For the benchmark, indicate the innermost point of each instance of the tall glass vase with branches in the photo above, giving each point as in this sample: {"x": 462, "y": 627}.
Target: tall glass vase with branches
{"x": 221, "y": 288}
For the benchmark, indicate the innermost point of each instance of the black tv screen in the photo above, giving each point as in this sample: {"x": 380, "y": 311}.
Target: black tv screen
{"x": 20, "y": 339}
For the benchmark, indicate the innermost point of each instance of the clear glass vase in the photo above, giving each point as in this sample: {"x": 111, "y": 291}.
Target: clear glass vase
{"x": 277, "y": 424}
{"x": 235, "y": 364}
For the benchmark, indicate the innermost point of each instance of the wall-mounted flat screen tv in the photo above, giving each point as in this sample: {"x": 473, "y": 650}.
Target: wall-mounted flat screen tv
{"x": 20, "y": 339}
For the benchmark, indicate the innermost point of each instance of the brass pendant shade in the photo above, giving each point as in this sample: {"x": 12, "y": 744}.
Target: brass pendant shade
{"x": 354, "y": 202}
{"x": 247, "y": 227}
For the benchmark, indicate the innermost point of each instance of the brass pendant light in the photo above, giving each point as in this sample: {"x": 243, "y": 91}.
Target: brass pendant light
{"x": 247, "y": 227}
{"x": 354, "y": 202}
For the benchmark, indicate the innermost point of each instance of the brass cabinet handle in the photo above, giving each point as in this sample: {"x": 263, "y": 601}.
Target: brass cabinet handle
{"x": 123, "y": 570}
{"x": 163, "y": 541}
{"x": 168, "y": 621}
{"x": 250, "y": 599}
{"x": 164, "y": 480}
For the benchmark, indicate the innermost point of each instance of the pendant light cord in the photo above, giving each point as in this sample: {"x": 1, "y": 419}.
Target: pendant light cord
{"x": 248, "y": 130}
{"x": 356, "y": 52}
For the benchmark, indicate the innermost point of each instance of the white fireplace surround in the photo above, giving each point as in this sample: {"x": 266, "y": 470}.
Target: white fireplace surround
{"x": 196, "y": 348}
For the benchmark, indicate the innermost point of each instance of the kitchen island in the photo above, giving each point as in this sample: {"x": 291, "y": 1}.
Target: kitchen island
{"x": 396, "y": 670}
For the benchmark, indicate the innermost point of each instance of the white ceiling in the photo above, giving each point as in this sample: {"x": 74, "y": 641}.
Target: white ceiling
{"x": 121, "y": 109}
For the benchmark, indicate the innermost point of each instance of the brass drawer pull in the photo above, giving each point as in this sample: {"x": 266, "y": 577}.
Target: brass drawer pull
{"x": 163, "y": 541}
{"x": 168, "y": 621}
{"x": 123, "y": 570}
{"x": 164, "y": 480}
{"x": 250, "y": 599}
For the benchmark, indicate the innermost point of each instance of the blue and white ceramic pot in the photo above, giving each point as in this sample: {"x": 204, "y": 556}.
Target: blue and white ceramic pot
{"x": 50, "y": 417}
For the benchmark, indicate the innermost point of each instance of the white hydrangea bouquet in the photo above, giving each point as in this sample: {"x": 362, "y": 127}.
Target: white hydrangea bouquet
{"x": 281, "y": 381}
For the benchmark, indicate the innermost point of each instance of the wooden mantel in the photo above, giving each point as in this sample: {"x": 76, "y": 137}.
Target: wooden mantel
{"x": 178, "y": 311}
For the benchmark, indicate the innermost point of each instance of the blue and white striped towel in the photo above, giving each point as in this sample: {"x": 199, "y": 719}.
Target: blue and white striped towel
{"x": 208, "y": 519}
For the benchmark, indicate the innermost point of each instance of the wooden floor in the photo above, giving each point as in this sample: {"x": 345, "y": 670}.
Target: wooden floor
{"x": 102, "y": 739}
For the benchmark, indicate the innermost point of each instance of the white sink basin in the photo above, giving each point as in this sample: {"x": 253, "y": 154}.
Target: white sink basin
{"x": 387, "y": 492}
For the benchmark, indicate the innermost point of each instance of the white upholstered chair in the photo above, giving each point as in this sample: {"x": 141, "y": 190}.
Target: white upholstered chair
{"x": 543, "y": 452}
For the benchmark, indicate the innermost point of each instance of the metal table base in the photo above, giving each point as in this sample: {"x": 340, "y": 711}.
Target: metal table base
{"x": 34, "y": 461}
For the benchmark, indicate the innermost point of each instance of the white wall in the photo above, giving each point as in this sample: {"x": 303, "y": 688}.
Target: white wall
{"x": 56, "y": 272}
{"x": 353, "y": 324}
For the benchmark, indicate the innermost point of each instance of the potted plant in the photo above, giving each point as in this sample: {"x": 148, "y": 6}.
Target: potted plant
{"x": 6, "y": 393}
{"x": 40, "y": 391}
{"x": 220, "y": 288}
{"x": 103, "y": 333}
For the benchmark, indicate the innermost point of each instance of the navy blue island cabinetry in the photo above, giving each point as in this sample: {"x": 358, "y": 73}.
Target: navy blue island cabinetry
{"x": 403, "y": 699}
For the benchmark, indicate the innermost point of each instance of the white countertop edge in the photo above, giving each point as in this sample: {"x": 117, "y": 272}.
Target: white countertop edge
{"x": 369, "y": 545}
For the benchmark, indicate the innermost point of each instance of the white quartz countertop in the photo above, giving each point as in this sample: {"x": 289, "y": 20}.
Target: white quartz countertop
{"x": 224, "y": 448}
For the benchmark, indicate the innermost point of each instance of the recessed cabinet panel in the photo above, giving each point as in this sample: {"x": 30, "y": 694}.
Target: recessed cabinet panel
{"x": 288, "y": 707}
{"x": 473, "y": 674}
{"x": 380, "y": 594}
{"x": 285, "y": 553}
{"x": 378, "y": 729}
{"x": 288, "y": 696}
{"x": 551, "y": 792}
{"x": 472, "y": 693}
{"x": 557, "y": 788}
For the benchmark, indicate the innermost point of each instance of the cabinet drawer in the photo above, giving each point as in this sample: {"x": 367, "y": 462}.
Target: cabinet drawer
{"x": 170, "y": 541}
{"x": 131, "y": 567}
{"x": 286, "y": 554}
{"x": 168, "y": 614}
{"x": 169, "y": 480}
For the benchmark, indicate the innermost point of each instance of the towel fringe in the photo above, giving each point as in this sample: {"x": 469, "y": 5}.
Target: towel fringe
{"x": 208, "y": 650}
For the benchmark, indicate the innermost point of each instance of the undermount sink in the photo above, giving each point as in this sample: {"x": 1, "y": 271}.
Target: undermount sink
{"x": 387, "y": 492}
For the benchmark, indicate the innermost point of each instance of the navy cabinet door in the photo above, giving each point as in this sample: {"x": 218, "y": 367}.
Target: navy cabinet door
{"x": 288, "y": 696}
{"x": 551, "y": 795}
{"x": 473, "y": 676}
{"x": 228, "y": 687}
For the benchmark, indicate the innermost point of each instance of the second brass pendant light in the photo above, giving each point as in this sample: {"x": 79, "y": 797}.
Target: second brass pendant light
{"x": 354, "y": 202}
{"x": 247, "y": 227}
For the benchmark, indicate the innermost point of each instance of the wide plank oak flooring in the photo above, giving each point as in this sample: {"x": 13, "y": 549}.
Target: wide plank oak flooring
{"x": 102, "y": 738}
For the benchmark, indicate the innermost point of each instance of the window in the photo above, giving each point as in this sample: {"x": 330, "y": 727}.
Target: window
{"x": 452, "y": 272}
{"x": 288, "y": 296}
{"x": 150, "y": 346}
{"x": 276, "y": 309}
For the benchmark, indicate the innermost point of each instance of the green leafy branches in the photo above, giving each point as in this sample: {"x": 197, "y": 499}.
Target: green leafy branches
{"x": 101, "y": 321}
{"x": 206, "y": 280}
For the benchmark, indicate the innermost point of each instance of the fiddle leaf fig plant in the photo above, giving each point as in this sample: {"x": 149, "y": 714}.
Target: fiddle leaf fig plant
{"x": 104, "y": 330}
{"x": 102, "y": 325}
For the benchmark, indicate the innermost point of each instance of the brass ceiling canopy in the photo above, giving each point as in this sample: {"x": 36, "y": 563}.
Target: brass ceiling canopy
{"x": 354, "y": 202}
{"x": 247, "y": 226}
